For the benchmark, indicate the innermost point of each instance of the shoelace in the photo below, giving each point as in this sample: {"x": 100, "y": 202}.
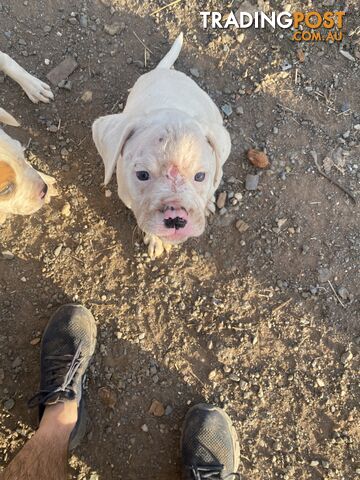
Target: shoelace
{"x": 58, "y": 365}
{"x": 213, "y": 472}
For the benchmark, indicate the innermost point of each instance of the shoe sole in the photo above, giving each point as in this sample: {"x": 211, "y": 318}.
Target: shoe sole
{"x": 83, "y": 421}
{"x": 234, "y": 436}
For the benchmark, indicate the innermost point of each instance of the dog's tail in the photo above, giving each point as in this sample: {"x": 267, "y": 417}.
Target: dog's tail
{"x": 171, "y": 57}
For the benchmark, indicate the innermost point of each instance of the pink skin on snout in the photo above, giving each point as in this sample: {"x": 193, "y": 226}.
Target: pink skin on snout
{"x": 174, "y": 210}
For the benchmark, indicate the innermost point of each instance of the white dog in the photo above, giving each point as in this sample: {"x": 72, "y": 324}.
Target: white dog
{"x": 168, "y": 146}
{"x": 23, "y": 190}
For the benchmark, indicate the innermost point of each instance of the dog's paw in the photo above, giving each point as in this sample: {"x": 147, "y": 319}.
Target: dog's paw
{"x": 36, "y": 90}
{"x": 210, "y": 207}
{"x": 156, "y": 246}
{"x": 3, "y": 217}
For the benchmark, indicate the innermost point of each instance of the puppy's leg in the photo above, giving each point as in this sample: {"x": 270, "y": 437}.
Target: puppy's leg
{"x": 210, "y": 207}
{"x": 34, "y": 88}
{"x": 2, "y": 217}
{"x": 156, "y": 246}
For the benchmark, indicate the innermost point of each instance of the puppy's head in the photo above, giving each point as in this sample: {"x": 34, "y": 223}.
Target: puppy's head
{"x": 23, "y": 190}
{"x": 167, "y": 172}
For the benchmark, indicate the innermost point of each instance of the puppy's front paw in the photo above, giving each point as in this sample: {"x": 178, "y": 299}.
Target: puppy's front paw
{"x": 210, "y": 207}
{"x": 2, "y": 217}
{"x": 36, "y": 90}
{"x": 156, "y": 246}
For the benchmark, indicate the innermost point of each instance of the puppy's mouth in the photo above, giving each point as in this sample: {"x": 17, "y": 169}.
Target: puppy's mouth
{"x": 43, "y": 192}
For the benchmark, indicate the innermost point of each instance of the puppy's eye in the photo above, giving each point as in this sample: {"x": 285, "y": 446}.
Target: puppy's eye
{"x": 199, "y": 177}
{"x": 143, "y": 175}
{"x": 7, "y": 189}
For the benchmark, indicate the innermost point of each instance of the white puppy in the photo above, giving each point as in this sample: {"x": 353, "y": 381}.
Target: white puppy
{"x": 23, "y": 190}
{"x": 168, "y": 147}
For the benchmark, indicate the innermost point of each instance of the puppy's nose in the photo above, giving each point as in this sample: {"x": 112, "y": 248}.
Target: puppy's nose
{"x": 43, "y": 191}
{"x": 176, "y": 223}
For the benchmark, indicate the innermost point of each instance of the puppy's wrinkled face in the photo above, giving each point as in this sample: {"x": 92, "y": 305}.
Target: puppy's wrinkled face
{"x": 169, "y": 176}
{"x": 22, "y": 189}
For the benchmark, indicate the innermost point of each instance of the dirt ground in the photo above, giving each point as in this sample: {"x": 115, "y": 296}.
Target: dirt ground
{"x": 263, "y": 322}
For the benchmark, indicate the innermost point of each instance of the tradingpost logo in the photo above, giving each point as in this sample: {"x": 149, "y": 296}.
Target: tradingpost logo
{"x": 311, "y": 26}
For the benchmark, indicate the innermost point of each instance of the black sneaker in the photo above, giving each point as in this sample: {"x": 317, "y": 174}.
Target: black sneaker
{"x": 209, "y": 445}
{"x": 67, "y": 346}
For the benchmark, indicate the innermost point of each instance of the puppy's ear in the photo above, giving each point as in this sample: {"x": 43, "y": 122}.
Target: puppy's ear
{"x": 110, "y": 134}
{"x": 220, "y": 141}
{"x": 8, "y": 119}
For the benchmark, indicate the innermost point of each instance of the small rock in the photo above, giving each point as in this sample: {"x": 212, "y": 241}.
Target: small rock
{"x": 144, "y": 428}
{"x": 343, "y": 293}
{"x": 157, "y": 409}
{"x": 47, "y": 29}
{"x": 107, "y": 397}
{"x": 57, "y": 250}
{"x": 66, "y": 210}
{"x": 72, "y": 21}
{"x": 35, "y": 341}
{"x": 108, "y": 193}
{"x": 9, "y": 404}
{"x": 227, "y": 109}
{"x": 286, "y": 66}
{"x": 62, "y": 71}
{"x": 53, "y": 128}
{"x": 300, "y": 55}
{"x": 234, "y": 377}
{"x": 17, "y": 362}
{"x": 320, "y": 382}
{"x": 65, "y": 84}
{"x": 7, "y": 255}
{"x": 240, "y": 38}
{"x": 314, "y": 463}
{"x": 195, "y": 72}
{"x": 242, "y": 226}
{"x": 281, "y": 222}
{"x": 324, "y": 275}
{"x": 221, "y": 200}
{"x": 87, "y": 96}
{"x": 243, "y": 385}
{"x": 251, "y": 182}
{"x": 83, "y": 21}
{"x": 212, "y": 375}
{"x": 114, "y": 28}
{"x": 257, "y": 158}
{"x": 346, "y": 357}
{"x": 239, "y": 110}
{"x": 168, "y": 410}
{"x": 259, "y": 124}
